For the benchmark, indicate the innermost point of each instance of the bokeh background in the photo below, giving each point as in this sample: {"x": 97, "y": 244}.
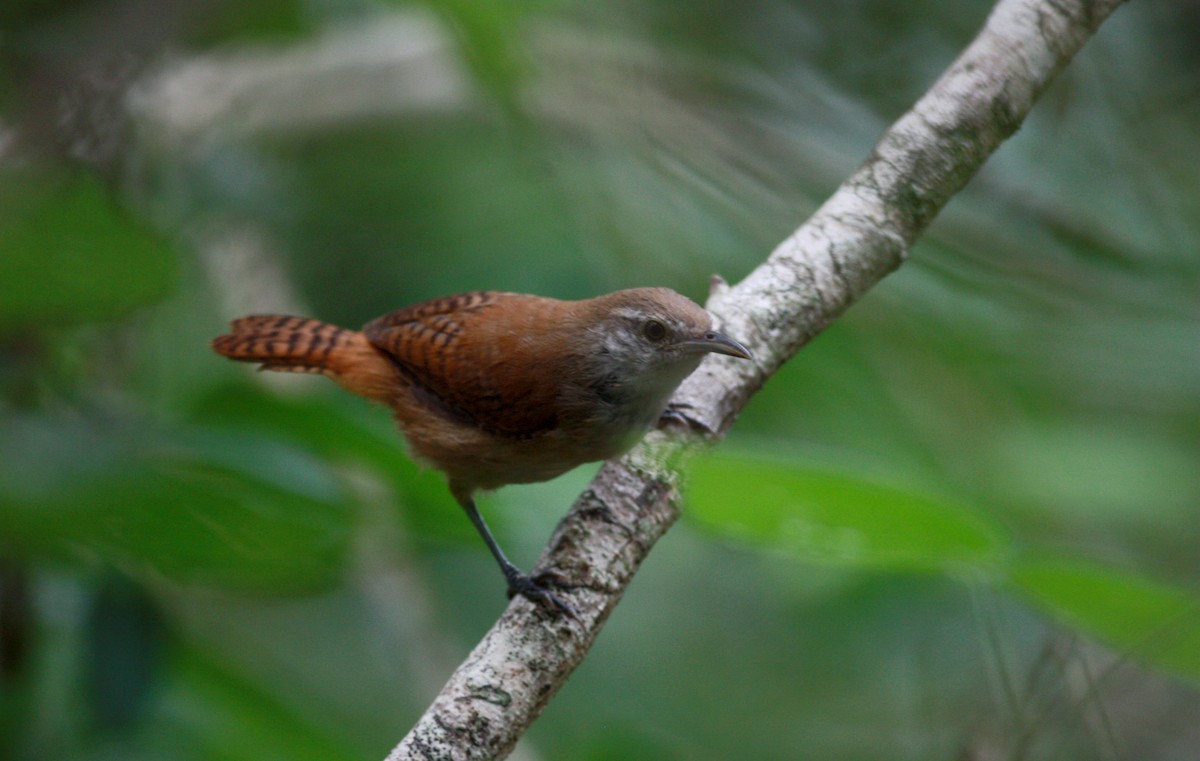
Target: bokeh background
{"x": 961, "y": 524}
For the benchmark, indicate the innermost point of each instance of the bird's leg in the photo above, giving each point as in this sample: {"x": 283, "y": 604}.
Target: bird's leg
{"x": 532, "y": 588}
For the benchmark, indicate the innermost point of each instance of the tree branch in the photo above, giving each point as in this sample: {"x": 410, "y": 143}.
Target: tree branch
{"x": 858, "y": 236}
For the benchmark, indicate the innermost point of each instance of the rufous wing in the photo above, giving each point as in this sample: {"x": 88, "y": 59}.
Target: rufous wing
{"x": 473, "y": 357}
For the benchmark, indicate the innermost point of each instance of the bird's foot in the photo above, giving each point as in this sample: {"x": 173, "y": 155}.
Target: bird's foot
{"x": 676, "y": 413}
{"x": 535, "y": 589}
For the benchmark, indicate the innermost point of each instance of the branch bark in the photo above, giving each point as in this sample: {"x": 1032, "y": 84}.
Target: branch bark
{"x": 858, "y": 236}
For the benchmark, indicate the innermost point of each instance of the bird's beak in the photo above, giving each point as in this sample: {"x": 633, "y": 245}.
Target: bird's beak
{"x": 717, "y": 343}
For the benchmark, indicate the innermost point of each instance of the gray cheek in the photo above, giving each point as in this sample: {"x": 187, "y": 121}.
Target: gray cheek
{"x": 619, "y": 345}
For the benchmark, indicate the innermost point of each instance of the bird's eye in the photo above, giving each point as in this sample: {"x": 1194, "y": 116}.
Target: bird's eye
{"x": 654, "y": 330}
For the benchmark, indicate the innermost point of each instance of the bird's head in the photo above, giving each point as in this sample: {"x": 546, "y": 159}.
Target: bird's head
{"x": 653, "y": 338}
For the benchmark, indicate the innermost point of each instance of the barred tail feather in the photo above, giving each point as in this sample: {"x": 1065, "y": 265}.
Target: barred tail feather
{"x": 302, "y": 345}
{"x": 288, "y": 344}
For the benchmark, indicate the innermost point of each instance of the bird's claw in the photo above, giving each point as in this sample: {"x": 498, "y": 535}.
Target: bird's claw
{"x": 674, "y": 413}
{"x": 534, "y": 588}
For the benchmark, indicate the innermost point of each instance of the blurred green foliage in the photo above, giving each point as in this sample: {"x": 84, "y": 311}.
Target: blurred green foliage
{"x": 961, "y": 524}
{"x": 1148, "y": 620}
{"x": 823, "y": 515}
{"x": 69, "y": 254}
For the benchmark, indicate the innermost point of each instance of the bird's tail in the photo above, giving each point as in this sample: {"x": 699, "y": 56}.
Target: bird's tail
{"x": 302, "y": 345}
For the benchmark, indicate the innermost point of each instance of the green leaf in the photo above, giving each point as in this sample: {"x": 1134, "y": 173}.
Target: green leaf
{"x": 275, "y": 20}
{"x": 217, "y": 712}
{"x": 69, "y": 254}
{"x": 832, "y": 516}
{"x": 339, "y": 429}
{"x": 1147, "y": 619}
{"x": 126, "y": 640}
{"x": 208, "y": 508}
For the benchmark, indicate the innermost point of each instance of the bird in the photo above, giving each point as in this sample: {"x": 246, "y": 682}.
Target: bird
{"x": 494, "y": 388}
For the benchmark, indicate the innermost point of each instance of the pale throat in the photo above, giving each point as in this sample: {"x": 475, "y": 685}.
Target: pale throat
{"x": 646, "y": 381}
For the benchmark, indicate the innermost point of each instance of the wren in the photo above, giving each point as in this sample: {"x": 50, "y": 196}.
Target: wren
{"x": 497, "y": 388}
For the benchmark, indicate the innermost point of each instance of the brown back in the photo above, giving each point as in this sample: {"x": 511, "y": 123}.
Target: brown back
{"x": 484, "y": 357}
